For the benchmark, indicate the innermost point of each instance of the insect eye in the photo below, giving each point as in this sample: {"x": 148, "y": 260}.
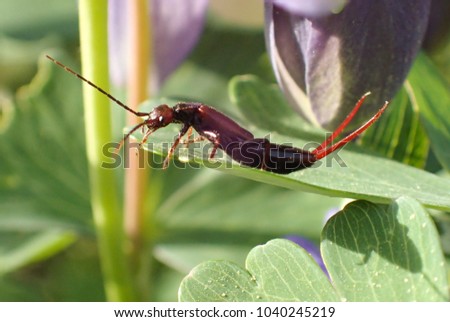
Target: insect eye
{"x": 160, "y": 119}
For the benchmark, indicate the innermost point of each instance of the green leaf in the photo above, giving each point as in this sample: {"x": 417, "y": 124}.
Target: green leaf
{"x": 40, "y": 151}
{"x": 380, "y": 253}
{"x": 189, "y": 208}
{"x": 276, "y": 271}
{"x": 372, "y": 253}
{"x": 354, "y": 174}
{"x": 399, "y": 135}
{"x": 74, "y": 275}
{"x": 264, "y": 106}
{"x": 44, "y": 193}
{"x": 19, "y": 250}
{"x": 431, "y": 93}
{"x": 220, "y": 216}
{"x": 18, "y": 63}
{"x": 49, "y": 17}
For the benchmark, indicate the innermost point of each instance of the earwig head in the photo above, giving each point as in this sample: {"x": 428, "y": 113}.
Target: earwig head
{"x": 160, "y": 117}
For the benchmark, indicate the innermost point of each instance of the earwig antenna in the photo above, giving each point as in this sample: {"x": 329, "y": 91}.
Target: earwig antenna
{"x": 101, "y": 90}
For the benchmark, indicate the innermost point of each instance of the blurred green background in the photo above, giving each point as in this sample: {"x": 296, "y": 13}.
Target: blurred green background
{"x": 47, "y": 241}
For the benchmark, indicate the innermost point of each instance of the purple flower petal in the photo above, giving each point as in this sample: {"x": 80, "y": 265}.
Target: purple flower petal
{"x": 176, "y": 26}
{"x": 330, "y": 213}
{"x": 117, "y": 37}
{"x": 310, "y": 247}
{"x": 311, "y": 8}
{"x": 325, "y": 64}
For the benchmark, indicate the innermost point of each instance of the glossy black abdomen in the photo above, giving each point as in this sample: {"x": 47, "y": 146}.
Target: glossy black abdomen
{"x": 261, "y": 154}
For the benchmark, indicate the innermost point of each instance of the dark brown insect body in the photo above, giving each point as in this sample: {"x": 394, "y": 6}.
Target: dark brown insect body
{"x": 227, "y": 135}
{"x": 237, "y": 142}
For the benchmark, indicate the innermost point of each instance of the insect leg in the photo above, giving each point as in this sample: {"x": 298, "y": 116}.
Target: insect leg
{"x": 175, "y": 144}
{"x": 189, "y": 140}
{"x": 145, "y": 138}
{"x": 216, "y": 144}
{"x": 128, "y": 135}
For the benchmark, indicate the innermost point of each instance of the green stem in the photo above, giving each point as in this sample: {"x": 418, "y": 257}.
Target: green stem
{"x": 104, "y": 188}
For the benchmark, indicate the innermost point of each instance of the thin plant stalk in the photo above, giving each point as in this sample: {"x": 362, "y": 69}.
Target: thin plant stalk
{"x": 103, "y": 183}
{"x": 137, "y": 217}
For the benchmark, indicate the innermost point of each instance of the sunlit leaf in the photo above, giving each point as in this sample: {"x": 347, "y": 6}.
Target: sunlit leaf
{"x": 379, "y": 253}
{"x": 276, "y": 271}
{"x": 372, "y": 252}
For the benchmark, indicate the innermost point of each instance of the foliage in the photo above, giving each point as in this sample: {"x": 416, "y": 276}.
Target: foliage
{"x": 390, "y": 255}
{"x": 385, "y": 242}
